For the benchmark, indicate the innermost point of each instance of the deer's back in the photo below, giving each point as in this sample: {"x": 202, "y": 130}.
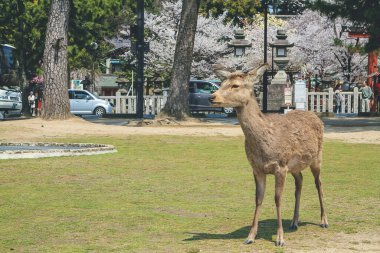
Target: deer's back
{"x": 295, "y": 141}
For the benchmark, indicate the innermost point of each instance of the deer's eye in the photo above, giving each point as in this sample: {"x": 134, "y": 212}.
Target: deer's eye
{"x": 234, "y": 86}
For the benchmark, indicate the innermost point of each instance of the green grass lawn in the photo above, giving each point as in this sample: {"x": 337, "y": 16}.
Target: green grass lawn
{"x": 174, "y": 194}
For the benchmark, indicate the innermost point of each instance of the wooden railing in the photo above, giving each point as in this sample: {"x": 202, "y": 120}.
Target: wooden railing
{"x": 316, "y": 102}
{"x": 127, "y": 104}
{"x": 324, "y": 101}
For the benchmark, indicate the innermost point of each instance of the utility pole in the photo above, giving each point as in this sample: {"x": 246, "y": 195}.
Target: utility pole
{"x": 140, "y": 58}
{"x": 265, "y": 76}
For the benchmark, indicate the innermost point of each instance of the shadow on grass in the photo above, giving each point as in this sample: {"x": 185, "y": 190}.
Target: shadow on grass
{"x": 267, "y": 228}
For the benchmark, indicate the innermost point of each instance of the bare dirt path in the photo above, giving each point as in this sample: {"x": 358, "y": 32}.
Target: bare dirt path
{"x": 32, "y": 129}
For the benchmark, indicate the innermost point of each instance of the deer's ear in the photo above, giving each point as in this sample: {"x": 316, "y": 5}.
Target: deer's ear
{"x": 258, "y": 71}
{"x": 221, "y": 72}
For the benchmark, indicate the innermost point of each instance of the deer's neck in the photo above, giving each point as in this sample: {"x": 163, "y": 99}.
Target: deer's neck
{"x": 253, "y": 123}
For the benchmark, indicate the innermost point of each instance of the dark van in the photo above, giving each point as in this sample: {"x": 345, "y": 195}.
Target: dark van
{"x": 199, "y": 94}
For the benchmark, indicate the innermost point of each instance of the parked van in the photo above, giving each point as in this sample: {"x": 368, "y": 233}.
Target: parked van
{"x": 199, "y": 94}
{"x": 83, "y": 102}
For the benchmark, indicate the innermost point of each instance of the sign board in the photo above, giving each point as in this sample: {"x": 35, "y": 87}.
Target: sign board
{"x": 76, "y": 85}
{"x": 300, "y": 95}
{"x": 288, "y": 96}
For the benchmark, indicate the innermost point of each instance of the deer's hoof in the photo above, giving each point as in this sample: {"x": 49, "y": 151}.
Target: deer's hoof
{"x": 280, "y": 243}
{"x": 324, "y": 225}
{"x": 248, "y": 241}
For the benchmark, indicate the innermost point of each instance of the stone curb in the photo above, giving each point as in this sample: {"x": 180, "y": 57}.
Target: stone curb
{"x": 73, "y": 149}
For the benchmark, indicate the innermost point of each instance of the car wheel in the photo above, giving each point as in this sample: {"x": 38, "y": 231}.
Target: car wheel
{"x": 228, "y": 110}
{"x": 99, "y": 111}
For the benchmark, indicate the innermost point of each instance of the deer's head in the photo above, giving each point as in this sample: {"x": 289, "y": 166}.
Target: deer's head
{"x": 237, "y": 87}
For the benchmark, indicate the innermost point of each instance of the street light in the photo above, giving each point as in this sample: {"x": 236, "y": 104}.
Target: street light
{"x": 265, "y": 76}
{"x": 94, "y": 47}
{"x": 239, "y": 43}
{"x": 141, "y": 48}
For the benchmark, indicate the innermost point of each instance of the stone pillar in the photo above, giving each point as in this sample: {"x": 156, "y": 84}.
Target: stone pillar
{"x": 276, "y": 94}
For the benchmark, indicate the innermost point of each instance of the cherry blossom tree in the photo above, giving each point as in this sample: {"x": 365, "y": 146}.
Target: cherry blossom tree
{"x": 162, "y": 36}
{"x": 318, "y": 43}
{"x": 210, "y": 41}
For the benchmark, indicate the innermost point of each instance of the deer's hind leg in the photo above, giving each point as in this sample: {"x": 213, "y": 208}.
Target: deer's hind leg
{"x": 298, "y": 182}
{"x": 316, "y": 170}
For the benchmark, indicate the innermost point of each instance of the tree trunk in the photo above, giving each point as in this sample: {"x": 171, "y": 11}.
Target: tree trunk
{"x": 177, "y": 104}
{"x": 56, "y": 103}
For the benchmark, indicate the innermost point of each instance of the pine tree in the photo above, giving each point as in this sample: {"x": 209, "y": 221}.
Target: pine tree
{"x": 55, "y": 63}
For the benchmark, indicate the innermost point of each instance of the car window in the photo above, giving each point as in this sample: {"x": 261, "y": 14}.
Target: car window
{"x": 192, "y": 87}
{"x": 214, "y": 88}
{"x": 71, "y": 94}
{"x": 204, "y": 88}
{"x": 80, "y": 95}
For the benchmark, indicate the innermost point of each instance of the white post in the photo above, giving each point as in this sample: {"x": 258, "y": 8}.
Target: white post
{"x": 318, "y": 103}
{"x": 312, "y": 99}
{"x": 356, "y": 100}
{"x": 349, "y": 110}
{"x": 164, "y": 99}
{"x": 331, "y": 99}
{"x": 123, "y": 104}
{"x": 130, "y": 105}
{"x": 118, "y": 95}
{"x": 324, "y": 102}
{"x": 147, "y": 104}
{"x": 159, "y": 106}
{"x": 344, "y": 103}
{"x": 132, "y": 82}
{"x": 154, "y": 101}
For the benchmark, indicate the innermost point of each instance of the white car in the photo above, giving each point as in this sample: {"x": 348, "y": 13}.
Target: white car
{"x": 83, "y": 102}
{"x": 10, "y": 102}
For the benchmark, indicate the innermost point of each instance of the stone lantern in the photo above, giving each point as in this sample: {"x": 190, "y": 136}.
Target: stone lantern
{"x": 239, "y": 43}
{"x": 280, "y": 45}
{"x": 279, "y": 84}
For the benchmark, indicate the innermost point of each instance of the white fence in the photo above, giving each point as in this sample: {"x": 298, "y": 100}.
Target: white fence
{"x": 324, "y": 101}
{"x": 127, "y": 104}
{"x": 316, "y": 102}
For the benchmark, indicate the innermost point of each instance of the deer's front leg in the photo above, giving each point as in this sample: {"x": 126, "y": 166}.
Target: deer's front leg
{"x": 260, "y": 180}
{"x": 280, "y": 177}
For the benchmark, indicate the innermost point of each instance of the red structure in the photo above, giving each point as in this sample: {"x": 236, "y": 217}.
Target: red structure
{"x": 372, "y": 66}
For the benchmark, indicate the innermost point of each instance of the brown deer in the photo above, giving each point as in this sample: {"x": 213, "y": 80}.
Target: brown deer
{"x": 274, "y": 144}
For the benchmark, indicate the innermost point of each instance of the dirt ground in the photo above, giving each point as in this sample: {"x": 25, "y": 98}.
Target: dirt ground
{"x": 39, "y": 130}
{"x": 32, "y": 129}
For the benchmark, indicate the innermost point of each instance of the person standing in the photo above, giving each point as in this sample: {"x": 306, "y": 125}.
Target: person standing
{"x": 38, "y": 103}
{"x": 32, "y": 103}
{"x": 366, "y": 96}
{"x": 339, "y": 99}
